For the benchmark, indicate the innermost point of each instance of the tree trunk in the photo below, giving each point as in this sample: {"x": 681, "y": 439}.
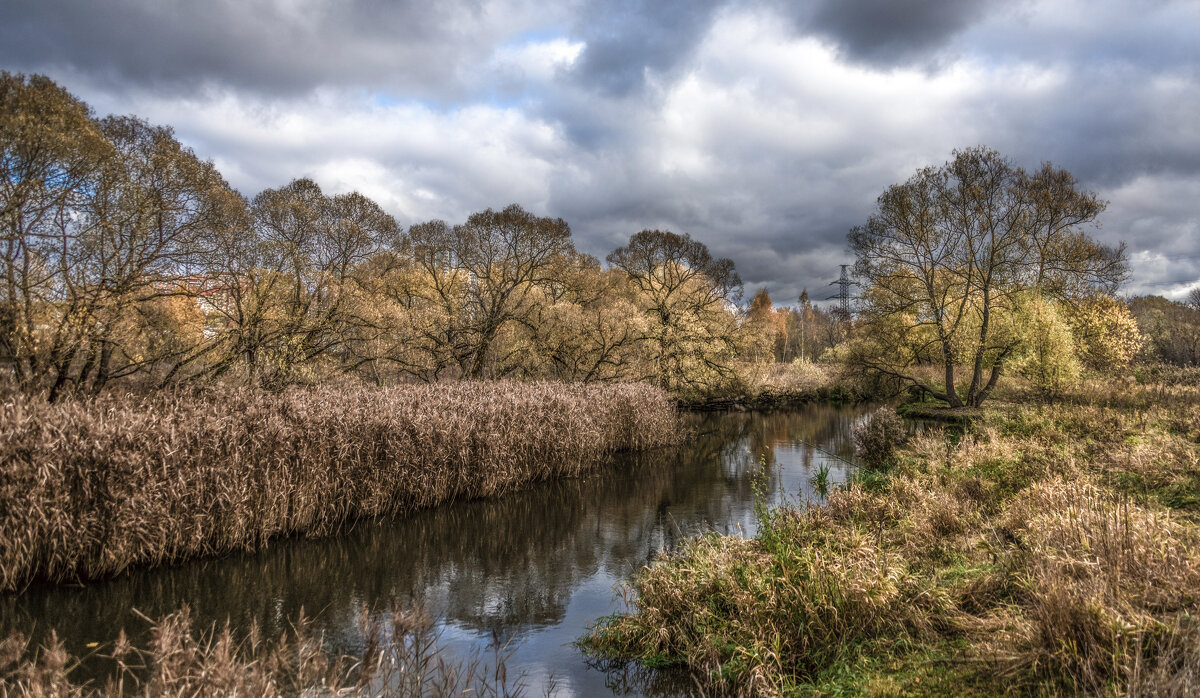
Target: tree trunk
{"x": 973, "y": 398}
{"x": 951, "y": 391}
{"x": 480, "y": 357}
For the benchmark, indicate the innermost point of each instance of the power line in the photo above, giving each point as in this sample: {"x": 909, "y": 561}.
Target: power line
{"x": 1169, "y": 258}
{"x": 1184, "y": 282}
{"x": 843, "y": 295}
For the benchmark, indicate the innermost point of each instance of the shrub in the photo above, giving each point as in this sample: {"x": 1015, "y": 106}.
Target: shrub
{"x": 876, "y": 439}
{"x": 762, "y": 615}
{"x": 1047, "y": 356}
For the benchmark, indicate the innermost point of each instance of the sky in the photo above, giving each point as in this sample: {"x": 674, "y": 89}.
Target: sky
{"x": 764, "y": 128}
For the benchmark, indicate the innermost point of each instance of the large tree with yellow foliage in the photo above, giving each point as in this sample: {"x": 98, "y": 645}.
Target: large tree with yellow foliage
{"x": 948, "y": 257}
{"x": 685, "y": 294}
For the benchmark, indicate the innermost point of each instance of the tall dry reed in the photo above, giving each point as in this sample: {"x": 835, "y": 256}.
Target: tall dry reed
{"x": 88, "y": 489}
{"x": 400, "y": 655}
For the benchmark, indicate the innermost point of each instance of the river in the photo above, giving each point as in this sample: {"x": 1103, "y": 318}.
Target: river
{"x": 531, "y": 569}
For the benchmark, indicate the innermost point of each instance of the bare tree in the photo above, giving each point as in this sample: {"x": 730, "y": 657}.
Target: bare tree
{"x": 285, "y": 271}
{"x": 686, "y": 291}
{"x": 312, "y": 245}
{"x": 50, "y": 152}
{"x": 586, "y": 326}
{"x": 1171, "y": 329}
{"x": 98, "y": 217}
{"x": 946, "y": 255}
{"x": 481, "y": 275}
{"x": 1193, "y": 298}
{"x": 145, "y": 216}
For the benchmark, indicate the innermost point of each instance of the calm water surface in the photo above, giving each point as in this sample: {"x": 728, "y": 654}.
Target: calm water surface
{"x": 532, "y": 569}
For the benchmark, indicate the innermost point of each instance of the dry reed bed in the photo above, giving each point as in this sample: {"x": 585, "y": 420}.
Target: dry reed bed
{"x": 88, "y": 489}
{"x": 400, "y": 656}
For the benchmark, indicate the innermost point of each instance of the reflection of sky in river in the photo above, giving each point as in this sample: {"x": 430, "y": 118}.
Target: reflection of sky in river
{"x": 533, "y": 568}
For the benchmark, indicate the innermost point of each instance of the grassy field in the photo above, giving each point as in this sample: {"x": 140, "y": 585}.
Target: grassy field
{"x": 1051, "y": 548}
{"x": 90, "y": 488}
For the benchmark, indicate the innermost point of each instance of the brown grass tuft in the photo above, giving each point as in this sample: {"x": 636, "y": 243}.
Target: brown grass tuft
{"x": 1109, "y": 585}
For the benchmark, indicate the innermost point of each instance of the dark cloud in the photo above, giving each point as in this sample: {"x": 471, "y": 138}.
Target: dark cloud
{"x": 266, "y": 46}
{"x": 1154, "y": 36}
{"x": 782, "y": 220}
{"x": 625, "y": 38}
{"x": 893, "y": 31}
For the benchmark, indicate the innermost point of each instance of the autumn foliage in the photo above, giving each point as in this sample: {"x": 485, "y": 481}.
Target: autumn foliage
{"x": 132, "y": 263}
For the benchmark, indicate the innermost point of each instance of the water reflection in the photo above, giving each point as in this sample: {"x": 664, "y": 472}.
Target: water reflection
{"x": 533, "y": 568}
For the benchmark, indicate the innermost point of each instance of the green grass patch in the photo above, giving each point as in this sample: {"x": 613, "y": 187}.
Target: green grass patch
{"x": 904, "y": 667}
{"x": 940, "y": 411}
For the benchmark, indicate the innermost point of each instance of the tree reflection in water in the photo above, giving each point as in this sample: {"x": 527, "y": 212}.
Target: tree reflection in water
{"x": 531, "y": 568}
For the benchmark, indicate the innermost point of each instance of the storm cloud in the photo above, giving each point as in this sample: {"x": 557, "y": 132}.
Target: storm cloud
{"x": 889, "y": 31}
{"x": 765, "y": 129}
{"x": 426, "y": 49}
{"x": 626, "y": 39}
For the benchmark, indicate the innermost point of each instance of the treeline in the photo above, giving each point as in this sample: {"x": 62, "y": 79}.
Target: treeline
{"x": 125, "y": 257}
{"x": 789, "y": 334}
{"x": 1171, "y": 329}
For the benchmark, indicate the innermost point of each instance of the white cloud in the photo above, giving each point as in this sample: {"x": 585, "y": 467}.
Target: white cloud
{"x": 537, "y": 60}
{"x": 1156, "y": 216}
{"x": 417, "y": 161}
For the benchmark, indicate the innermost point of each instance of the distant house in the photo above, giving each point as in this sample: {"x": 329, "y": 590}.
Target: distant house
{"x": 212, "y": 292}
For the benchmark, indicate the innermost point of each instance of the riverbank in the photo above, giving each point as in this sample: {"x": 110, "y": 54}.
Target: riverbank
{"x": 778, "y": 386}
{"x": 767, "y": 400}
{"x": 1051, "y": 549}
{"x": 938, "y": 411}
{"x": 91, "y": 488}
